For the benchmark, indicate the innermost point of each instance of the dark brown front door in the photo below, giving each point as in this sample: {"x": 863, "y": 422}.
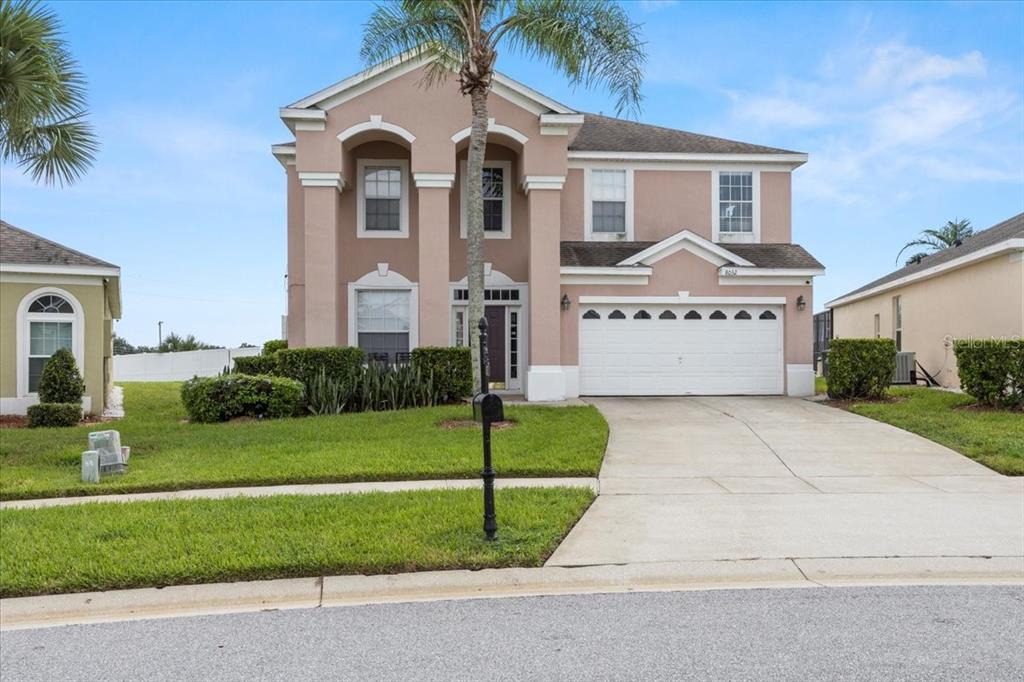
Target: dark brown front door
{"x": 495, "y": 315}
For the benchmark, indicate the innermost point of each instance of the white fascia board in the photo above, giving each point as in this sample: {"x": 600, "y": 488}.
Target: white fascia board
{"x": 1008, "y": 246}
{"x": 51, "y": 269}
{"x": 613, "y": 271}
{"x": 303, "y": 114}
{"x": 376, "y": 75}
{"x": 772, "y": 272}
{"x": 781, "y": 281}
{"x": 788, "y": 159}
{"x": 284, "y": 153}
{"x": 666, "y": 247}
{"x": 683, "y": 297}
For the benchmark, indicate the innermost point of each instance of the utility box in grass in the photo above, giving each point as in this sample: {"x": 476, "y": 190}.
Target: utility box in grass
{"x": 113, "y": 457}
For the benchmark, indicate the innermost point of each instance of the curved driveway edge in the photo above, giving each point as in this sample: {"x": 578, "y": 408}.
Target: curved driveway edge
{"x": 296, "y": 593}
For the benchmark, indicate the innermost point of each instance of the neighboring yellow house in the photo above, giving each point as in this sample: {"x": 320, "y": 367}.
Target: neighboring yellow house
{"x": 53, "y": 297}
{"x": 971, "y": 291}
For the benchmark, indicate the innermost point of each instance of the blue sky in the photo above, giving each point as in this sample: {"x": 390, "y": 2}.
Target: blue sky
{"x": 912, "y": 115}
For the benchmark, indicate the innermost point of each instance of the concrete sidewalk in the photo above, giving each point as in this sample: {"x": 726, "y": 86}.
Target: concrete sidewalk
{"x": 692, "y": 479}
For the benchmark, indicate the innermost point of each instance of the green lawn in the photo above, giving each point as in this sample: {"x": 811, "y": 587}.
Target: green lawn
{"x": 994, "y": 438}
{"x": 170, "y": 454}
{"x": 143, "y": 544}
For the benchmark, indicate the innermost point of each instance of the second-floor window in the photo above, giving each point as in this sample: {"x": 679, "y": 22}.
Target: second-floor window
{"x": 382, "y": 196}
{"x": 608, "y": 202}
{"x": 497, "y": 198}
{"x": 736, "y": 202}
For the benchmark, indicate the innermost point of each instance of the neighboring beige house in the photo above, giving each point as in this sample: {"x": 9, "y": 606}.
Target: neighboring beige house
{"x": 621, "y": 258}
{"x": 971, "y": 291}
{"x": 53, "y": 297}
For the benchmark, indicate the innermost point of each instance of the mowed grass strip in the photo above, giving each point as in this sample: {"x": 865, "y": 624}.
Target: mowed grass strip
{"x": 102, "y": 546}
{"x": 994, "y": 438}
{"x": 170, "y": 454}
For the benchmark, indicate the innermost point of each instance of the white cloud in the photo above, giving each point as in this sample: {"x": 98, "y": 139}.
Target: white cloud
{"x": 895, "y": 64}
{"x": 923, "y": 115}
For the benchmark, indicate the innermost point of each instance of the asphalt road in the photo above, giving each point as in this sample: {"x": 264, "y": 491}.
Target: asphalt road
{"x": 929, "y": 633}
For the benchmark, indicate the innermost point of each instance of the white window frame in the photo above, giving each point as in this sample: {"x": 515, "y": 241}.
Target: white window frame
{"x": 752, "y": 237}
{"x": 376, "y": 281}
{"x": 403, "y": 210}
{"x": 588, "y": 207}
{"x": 506, "y": 203}
{"x": 897, "y": 321}
{"x": 25, "y": 318}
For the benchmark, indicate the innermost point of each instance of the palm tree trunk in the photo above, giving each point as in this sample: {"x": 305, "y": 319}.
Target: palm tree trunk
{"x": 475, "y": 222}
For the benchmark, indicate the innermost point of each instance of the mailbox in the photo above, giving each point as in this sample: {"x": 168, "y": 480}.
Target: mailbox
{"x": 488, "y": 406}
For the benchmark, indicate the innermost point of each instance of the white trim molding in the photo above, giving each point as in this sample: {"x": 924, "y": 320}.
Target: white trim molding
{"x": 575, "y": 275}
{"x": 403, "y": 211}
{"x": 683, "y": 297}
{"x": 542, "y": 182}
{"x": 694, "y": 243}
{"x": 752, "y": 237}
{"x": 492, "y": 127}
{"x": 733, "y": 276}
{"x": 284, "y": 153}
{"x": 789, "y": 160}
{"x": 506, "y": 199}
{"x": 56, "y": 269}
{"x": 322, "y": 179}
{"x": 24, "y": 318}
{"x": 433, "y": 180}
{"x": 376, "y": 122}
{"x": 392, "y": 281}
{"x": 1008, "y": 246}
{"x": 313, "y": 120}
{"x": 588, "y": 208}
{"x": 799, "y": 380}
{"x": 559, "y": 124}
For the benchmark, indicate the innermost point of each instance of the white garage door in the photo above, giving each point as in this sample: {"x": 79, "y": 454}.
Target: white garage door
{"x": 635, "y": 349}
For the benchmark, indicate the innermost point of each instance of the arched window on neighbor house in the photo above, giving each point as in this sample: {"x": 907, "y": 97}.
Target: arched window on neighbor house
{"x": 49, "y": 321}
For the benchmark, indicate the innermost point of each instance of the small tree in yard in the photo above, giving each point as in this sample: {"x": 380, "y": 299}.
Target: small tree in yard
{"x": 589, "y": 41}
{"x": 60, "y": 381}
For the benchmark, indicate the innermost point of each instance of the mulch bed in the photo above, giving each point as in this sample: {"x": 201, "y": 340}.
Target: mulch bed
{"x": 13, "y": 421}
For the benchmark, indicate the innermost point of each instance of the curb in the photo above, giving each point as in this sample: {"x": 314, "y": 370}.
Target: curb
{"x": 295, "y": 593}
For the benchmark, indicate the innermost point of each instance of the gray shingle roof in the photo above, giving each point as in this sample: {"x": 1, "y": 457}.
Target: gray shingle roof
{"x": 1008, "y": 229}
{"x": 609, "y": 254}
{"x": 605, "y": 134}
{"x": 23, "y": 247}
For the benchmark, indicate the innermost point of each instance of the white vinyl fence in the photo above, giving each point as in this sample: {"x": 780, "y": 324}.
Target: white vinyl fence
{"x": 177, "y": 366}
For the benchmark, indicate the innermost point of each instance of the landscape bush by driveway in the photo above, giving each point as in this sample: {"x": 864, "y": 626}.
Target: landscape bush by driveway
{"x": 171, "y": 454}
{"x": 991, "y": 437}
{"x": 104, "y": 546}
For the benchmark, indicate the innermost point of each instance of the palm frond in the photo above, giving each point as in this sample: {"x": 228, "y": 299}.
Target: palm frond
{"x": 415, "y": 28}
{"x": 591, "y": 41}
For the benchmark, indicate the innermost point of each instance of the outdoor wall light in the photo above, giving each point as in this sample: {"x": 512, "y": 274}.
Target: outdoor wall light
{"x": 566, "y": 302}
{"x": 801, "y": 302}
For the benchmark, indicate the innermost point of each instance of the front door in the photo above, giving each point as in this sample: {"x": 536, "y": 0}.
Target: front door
{"x": 495, "y": 315}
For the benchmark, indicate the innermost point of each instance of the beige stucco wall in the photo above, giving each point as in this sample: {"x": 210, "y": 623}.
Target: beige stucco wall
{"x": 979, "y": 301}
{"x": 91, "y": 294}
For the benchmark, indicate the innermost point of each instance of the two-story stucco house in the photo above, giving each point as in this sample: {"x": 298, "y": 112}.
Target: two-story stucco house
{"x": 621, "y": 258}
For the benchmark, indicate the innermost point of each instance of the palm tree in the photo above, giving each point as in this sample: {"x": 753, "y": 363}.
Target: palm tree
{"x": 950, "y": 234}
{"x": 42, "y": 97}
{"x": 590, "y": 41}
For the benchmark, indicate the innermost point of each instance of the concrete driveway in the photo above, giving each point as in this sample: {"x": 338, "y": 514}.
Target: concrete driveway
{"x": 747, "y": 477}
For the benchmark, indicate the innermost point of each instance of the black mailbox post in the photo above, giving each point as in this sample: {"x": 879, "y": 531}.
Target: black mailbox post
{"x": 488, "y": 408}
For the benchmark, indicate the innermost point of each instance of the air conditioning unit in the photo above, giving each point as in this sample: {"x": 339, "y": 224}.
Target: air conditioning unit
{"x": 906, "y": 368}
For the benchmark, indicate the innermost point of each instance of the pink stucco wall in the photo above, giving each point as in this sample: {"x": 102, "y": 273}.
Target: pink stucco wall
{"x": 666, "y": 202}
{"x": 776, "y": 207}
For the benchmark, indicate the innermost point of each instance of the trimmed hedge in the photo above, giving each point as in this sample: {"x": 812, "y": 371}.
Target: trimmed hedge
{"x": 256, "y": 365}
{"x": 860, "y": 368}
{"x": 60, "y": 381}
{"x": 451, "y": 370}
{"x": 273, "y": 345}
{"x": 54, "y": 414}
{"x": 306, "y": 364}
{"x": 217, "y": 399}
{"x": 992, "y": 371}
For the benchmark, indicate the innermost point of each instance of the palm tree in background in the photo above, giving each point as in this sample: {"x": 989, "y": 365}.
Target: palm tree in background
{"x": 950, "y": 234}
{"x": 42, "y": 97}
{"x": 590, "y": 41}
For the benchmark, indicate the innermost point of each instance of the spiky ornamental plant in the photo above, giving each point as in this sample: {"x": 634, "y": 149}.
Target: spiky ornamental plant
{"x": 42, "y": 97}
{"x": 589, "y": 41}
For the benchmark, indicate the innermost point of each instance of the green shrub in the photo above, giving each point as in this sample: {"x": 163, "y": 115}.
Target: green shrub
{"x": 860, "y": 368}
{"x": 256, "y": 364}
{"x": 450, "y": 369}
{"x": 992, "y": 371}
{"x": 273, "y": 345}
{"x": 217, "y": 399}
{"x": 371, "y": 388}
{"x": 305, "y": 364}
{"x": 60, "y": 381}
{"x": 54, "y": 414}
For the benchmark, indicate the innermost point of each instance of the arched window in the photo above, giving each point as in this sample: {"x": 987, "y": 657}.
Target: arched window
{"x": 766, "y": 315}
{"x": 667, "y": 315}
{"x": 591, "y": 315}
{"x": 616, "y": 315}
{"x": 717, "y": 315}
{"x": 642, "y": 315}
{"x": 742, "y": 315}
{"x": 48, "y": 321}
{"x": 692, "y": 315}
